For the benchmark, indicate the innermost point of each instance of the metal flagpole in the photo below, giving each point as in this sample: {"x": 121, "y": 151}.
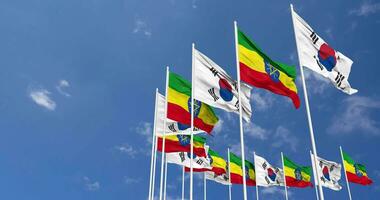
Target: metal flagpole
{"x": 192, "y": 121}
{"x": 283, "y": 168}
{"x": 163, "y": 137}
{"x": 154, "y": 166}
{"x": 315, "y": 178}
{"x": 229, "y": 175}
{"x": 240, "y": 113}
{"x": 257, "y": 187}
{"x": 183, "y": 183}
{"x": 166, "y": 176}
{"x": 204, "y": 186}
{"x": 345, "y": 174}
{"x": 308, "y": 111}
{"x": 151, "y": 185}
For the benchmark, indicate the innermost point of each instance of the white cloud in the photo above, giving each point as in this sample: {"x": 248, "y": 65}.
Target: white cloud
{"x": 127, "y": 149}
{"x": 218, "y": 127}
{"x": 329, "y": 33}
{"x": 366, "y": 8}
{"x": 274, "y": 191}
{"x": 255, "y": 131}
{"x": 91, "y": 185}
{"x": 315, "y": 83}
{"x": 262, "y": 100}
{"x": 62, "y": 84}
{"x": 141, "y": 27}
{"x": 130, "y": 180}
{"x": 283, "y": 137}
{"x": 355, "y": 114}
{"x": 145, "y": 129}
{"x": 194, "y": 4}
{"x": 41, "y": 97}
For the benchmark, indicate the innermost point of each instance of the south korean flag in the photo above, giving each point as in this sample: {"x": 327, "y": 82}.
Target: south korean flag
{"x": 266, "y": 174}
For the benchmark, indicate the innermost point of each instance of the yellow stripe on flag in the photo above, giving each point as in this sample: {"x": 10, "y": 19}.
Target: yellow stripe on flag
{"x": 236, "y": 169}
{"x": 290, "y": 173}
{"x": 254, "y": 61}
{"x": 178, "y": 98}
{"x": 350, "y": 168}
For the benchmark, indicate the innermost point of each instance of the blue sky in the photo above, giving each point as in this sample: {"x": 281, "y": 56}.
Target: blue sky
{"x": 78, "y": 78}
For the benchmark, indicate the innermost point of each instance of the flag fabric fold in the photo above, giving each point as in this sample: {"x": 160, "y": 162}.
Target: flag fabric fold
{"x": 184, "y": 159}
{"x": 172, "y": 127}
{"x": 236, "y": 171}
{"x": 216, "y": 88}
{"x": 329, "y": 173}
{"x": 315, "y": 54}
{"x": 266, "y": 174}
{"x": 259, "y": 70}
{"x": 179, "y": 105}
{"x": 296, "y": 175}
{"x": 355, "y": 172}
{"x": 181, "y": 143}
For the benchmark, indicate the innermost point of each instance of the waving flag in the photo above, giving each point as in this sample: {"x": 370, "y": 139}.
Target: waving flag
{"x": 172, "y": 127}
{"x": 329, "y": 173}
{"x": 257, "y": 69}
{"x": 179, "y": 105}
{"x": 266, "y": 174}
{"x": 184, "y": 159}
{"x": 237, "y": 171}
{"x": 295, "y": 175}
{"x": 355, "y": 172}
{"x": 315, "y": 54}
{"x": 181, "y": 143}
{"x": 216, "y": 88}
{"x": 218, "y": 164}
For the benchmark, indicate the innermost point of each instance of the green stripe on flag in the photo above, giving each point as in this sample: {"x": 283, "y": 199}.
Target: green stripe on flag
{"x": 237, "y": 160}
{"x": 179, "y": 84}
{"x": 249, "y": 44}
{"x": 291, "y": 164}
{"x": 348, "y": 159}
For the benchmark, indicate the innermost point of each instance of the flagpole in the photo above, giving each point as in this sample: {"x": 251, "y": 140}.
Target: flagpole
{"x": 283, "y": 168}
{"x": 257, "y": 187}
{"x": 192, "y": 121}
{"x": 183, "y": 183}
{"x": 154, "y": 166}
{"x": 204, "y": 186}
{"x": 315, "y": 178}
{"x": 308, "y": 111}
{"x": 345, "y": 174}
{"x": 166, "y": 175}
{"x": 229, "y": 175}
{"x": 240, "y": 113}
{"x": 153, "y": 145}
{"x": 164, "y": 133}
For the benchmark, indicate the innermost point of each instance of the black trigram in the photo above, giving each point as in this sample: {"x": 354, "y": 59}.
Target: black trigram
{"x": 267, "y": 180}
{"x": 237, "y": 105}
{"x": 264, "y": 165}
{"x": 314, "y": 37}
{"x": 211, "y": 91}
{"x": 172, "y": 128}
{"x": 199, "y": 162}
{"x": 182, "y": 156}
{"x": 214, "y": 71}
{"x": 235, "y": 86}
{"x": 339, "y": 79}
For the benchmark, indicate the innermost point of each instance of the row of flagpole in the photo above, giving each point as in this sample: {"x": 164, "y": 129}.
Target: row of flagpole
{"x": 163, "y": 176}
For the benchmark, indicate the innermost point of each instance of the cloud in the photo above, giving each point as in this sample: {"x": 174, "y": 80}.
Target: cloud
{"x": 255, "y": 131}
{"x": 316, "y": 84}
{"x": 283, "y": 137}
{"x": 329, "y": 33}
{"x": 194, "y": 4}
{"x": 145, "y": 129}
{"x": 366, "y": 8}
{"x": 62, "y": 84}
{"x": 355, "y": 115}
{"x": 262, "y": 100}
{"x": 127, "y": 149}
{"x": 91, "y": 185}
{"x": 142, "y": 28}
{"x": 130, "y": 180}
{"x": 41, "y": 97}
{"x": 274, "y": 191}
{"x": 218, "y": 127}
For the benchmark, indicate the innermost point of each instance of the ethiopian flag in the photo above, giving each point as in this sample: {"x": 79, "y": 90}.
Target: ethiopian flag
{"x": 295, "y": 175}
{"x": 257, "y": 69}
{"x": 236, "y": 171}
{"x": 181, "y": 143}
{"x": 356, "y": 173}
{"x": 179, "y": 106}
{"x": 218, "y": 164}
